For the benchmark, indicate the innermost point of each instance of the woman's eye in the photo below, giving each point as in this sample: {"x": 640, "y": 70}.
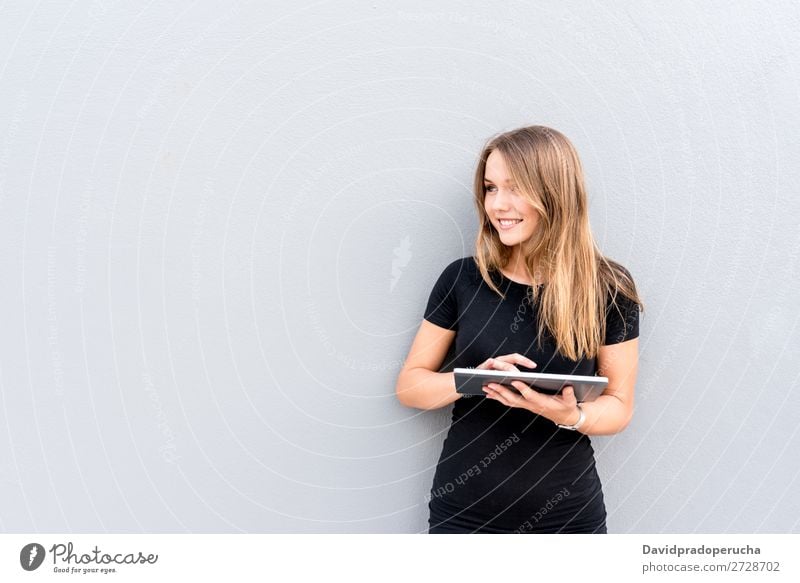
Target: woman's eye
{"x": 492, "y": 188}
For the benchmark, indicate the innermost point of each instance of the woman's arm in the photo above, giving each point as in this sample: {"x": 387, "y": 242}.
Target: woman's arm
{"x": 612, "y": 411}
{"x": 418, "y": 384}
{"x": 608, "y": 414}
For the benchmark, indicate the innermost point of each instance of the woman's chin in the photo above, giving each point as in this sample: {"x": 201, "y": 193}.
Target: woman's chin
{"x": 510, "y": 240}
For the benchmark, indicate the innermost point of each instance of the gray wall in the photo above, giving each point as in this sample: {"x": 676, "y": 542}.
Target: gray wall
{"x": 220, "y": 223}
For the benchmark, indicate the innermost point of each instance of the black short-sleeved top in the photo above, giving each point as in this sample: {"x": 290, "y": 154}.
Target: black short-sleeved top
{"x": 506, "y": 469}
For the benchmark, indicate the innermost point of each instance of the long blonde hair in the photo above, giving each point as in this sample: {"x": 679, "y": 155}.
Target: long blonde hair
{"x": 547, "y": 171}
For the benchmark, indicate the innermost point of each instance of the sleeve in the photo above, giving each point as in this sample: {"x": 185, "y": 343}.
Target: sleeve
{"x": 622, "y": 318}
{"x": 442, "y": 307}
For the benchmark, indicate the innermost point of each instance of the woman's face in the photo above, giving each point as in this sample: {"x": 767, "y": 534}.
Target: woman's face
{"x": 504, "y": 201}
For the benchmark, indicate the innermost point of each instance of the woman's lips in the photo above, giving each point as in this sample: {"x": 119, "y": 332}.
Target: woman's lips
{"x": 508, "y": 224}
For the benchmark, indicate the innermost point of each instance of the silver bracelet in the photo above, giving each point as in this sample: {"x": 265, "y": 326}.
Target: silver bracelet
{"x": 578, "y": 423}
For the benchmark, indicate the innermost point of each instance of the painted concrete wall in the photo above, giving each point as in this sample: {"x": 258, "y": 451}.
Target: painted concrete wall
{"x": 220, "y": 222}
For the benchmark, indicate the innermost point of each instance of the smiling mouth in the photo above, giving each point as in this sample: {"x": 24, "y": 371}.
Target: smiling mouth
{"x": 509, "y": 223}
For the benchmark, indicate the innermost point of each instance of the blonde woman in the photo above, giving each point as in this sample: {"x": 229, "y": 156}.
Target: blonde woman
{"x": 538, "y": 295}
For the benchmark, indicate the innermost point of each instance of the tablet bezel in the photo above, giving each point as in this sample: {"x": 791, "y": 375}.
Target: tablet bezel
{"x": 470, "y": 381}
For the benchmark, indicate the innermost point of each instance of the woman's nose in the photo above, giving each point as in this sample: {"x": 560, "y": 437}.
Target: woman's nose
{"x": 501, "y": 200}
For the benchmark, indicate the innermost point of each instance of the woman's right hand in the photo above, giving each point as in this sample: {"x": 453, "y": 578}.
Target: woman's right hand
{"x": 507, "y": 362}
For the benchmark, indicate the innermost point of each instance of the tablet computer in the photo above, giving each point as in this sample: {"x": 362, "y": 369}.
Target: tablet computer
{"x": 470, "y": 381}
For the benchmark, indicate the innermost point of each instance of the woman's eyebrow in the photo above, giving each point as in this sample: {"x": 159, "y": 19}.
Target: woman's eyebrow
{"x": 487, "y": 180}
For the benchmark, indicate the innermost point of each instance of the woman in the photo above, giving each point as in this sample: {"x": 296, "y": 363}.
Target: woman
{"x": 538, "y": 294}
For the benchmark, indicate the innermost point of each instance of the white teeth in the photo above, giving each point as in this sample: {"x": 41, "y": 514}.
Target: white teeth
{"x": 508, "y": 223}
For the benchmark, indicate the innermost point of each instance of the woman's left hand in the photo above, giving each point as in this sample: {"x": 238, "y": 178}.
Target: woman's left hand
{"x": 561, "y": 409}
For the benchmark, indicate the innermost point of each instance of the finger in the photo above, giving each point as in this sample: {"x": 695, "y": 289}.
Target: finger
{"x": 525, "y": 390}
{"x": 503, "y": 400}
{"x": 508, "y": 396}
{"x": 497, "y": 396}
{"x": 518, "y": 358}
{"x": 568, "y": 395}
{"x": 486, "y": 364}
{"x": 534, "y": 400}
{"x": 503, "y": 365}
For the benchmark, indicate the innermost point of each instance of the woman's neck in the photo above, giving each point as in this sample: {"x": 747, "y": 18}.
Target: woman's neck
{"x": 517, "y": 270}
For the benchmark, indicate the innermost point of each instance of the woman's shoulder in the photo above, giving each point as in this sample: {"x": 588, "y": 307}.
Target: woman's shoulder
{"x": 615, "y": 269}
{"x": 462, "y": 267}
{"x": 623, "y": 303}
{"x": 460, "y": 274}
{"x": 468, "y": 261}
{"x": 620, "y": 287}
{"x": 616, "y": 277}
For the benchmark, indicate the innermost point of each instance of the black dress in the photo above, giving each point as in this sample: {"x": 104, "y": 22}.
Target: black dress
{"x": 504, "y": 469}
